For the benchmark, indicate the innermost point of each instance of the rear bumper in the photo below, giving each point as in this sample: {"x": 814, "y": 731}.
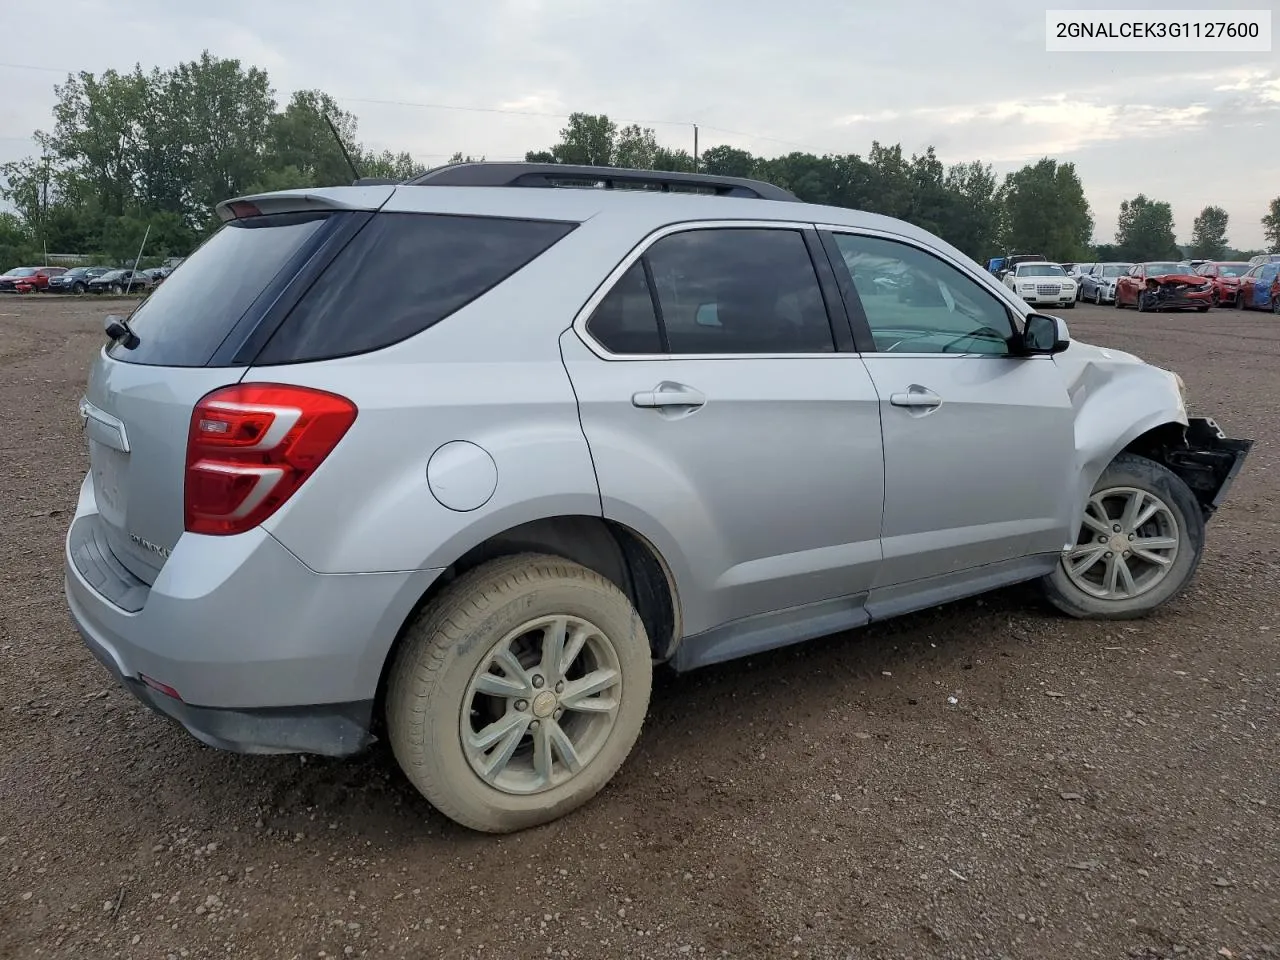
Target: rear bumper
{"x": 265, "y": 654}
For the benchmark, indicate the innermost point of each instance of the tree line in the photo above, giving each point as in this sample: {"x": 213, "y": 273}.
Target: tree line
{"x": 138, "y": 150}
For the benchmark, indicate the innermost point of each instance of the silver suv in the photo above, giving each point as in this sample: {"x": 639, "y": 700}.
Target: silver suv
{"x": 458, "y": 461}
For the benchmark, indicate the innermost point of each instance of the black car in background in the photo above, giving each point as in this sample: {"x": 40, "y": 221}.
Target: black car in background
{"x": 76, "y": 280}
{"x": 120, "y": 281}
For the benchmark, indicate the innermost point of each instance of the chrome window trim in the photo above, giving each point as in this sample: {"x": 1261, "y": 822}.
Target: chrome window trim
{"x": 579, "y": 325}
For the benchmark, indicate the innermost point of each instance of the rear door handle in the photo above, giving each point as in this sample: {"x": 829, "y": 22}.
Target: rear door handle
{"x": 667, "y": 394}
{"x": 916, "y": 396}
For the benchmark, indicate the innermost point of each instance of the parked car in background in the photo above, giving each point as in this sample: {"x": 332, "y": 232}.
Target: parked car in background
{"x": 1225, "y": 276}
{"x": 120, "y": 281}
{"x": 1099, "y": 284}
{"x": 1077, "y": 272}
{"x": 1260, "y": 288}
{"x": 1163, "y": 285}
{"x": 28, "y": 279}
{"x": 76, "y": 280}
{"x": 1264, "y": 258}
{"x": 1042, "y": 283}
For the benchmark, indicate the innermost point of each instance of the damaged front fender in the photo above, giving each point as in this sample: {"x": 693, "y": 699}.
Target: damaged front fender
{"x": 1122, "y": 404}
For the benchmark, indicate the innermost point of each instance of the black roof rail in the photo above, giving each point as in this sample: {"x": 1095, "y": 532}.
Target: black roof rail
{"x": 375, "y": 182}
{"x": 495, "y": 174}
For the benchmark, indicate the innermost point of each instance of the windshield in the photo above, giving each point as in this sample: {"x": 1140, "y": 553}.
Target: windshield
{"x": 76, "y": 272}
{"x": 1115, "y": 270}
{"x": 1041, "y": 270}
{"x": 1232, "y": 269}
{"x": 1165, "y": 269}
{"x": 21, "y": 272}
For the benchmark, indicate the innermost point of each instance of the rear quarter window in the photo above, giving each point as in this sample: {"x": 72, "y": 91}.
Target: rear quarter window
{"x": 404, "y": 273}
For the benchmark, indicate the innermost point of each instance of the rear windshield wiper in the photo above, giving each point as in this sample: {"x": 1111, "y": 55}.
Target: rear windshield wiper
{"x": 119, "y": 331}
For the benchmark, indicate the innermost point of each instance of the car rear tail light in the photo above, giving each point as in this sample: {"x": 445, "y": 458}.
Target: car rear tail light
{"x": 251, "y": 446}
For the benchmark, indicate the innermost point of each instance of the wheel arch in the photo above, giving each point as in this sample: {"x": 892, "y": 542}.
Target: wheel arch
{"x": 615, "y": 551}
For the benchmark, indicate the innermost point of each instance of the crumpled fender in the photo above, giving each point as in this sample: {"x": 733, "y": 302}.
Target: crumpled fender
{"x": 1116, "y": 398}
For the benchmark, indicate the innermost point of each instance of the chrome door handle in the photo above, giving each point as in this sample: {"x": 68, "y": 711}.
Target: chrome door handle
{"x": 916, "y": 396}
{"x": 668, "y": 394}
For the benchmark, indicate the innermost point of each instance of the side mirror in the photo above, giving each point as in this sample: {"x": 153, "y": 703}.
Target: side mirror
{"x": 1044, "y": 334}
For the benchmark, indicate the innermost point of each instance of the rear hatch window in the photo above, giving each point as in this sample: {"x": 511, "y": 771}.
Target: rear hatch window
{"x": 184, "y": 321}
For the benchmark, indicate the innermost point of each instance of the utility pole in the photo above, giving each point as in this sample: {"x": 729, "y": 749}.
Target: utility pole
{"x": 44, "y": 204}
{"x": 695, "y": 148}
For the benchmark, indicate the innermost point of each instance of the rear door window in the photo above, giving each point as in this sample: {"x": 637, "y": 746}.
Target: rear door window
{"x": 403, "y": 273}
{"x": 188, "y": 316}
{"x": 739, "y": 291}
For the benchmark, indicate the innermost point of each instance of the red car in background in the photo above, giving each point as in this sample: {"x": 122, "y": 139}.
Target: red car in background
{"x": 28, "y": 279}
{"x": 1163, "y": 285}
{"x": 1225, "y": 275}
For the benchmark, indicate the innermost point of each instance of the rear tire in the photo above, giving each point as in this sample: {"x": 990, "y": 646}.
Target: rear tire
{"x": 1170, "y": 543}
{"x": 479, "y": 745}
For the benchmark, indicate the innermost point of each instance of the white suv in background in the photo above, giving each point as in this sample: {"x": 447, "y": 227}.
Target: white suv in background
{"x": 1042, "y": 283}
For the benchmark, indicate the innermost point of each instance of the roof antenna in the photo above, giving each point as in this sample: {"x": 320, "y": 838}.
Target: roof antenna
{"x": 341, "y": 146}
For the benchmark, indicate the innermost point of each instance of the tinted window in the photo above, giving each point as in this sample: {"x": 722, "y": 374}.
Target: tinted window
{"x": 916, "y": 303}
{"x": 625, "y": 321}
{"x": 185, "y": 319}
{"x": 403, "y": 273}
{"x": 739, "y": 291}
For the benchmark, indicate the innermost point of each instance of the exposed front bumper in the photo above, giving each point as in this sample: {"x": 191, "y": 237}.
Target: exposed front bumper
{"x": 266, "y": 655}
{"x": 1210, "y": 462}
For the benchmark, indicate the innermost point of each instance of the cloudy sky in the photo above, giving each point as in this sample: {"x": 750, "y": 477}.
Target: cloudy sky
{"x": 971, "y": 78}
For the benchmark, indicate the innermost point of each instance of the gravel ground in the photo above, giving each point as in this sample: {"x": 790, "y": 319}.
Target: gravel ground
{"x": 1097, "y": 790}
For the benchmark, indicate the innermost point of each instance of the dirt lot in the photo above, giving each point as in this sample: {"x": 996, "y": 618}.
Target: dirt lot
{"x": 1096, "y": 791}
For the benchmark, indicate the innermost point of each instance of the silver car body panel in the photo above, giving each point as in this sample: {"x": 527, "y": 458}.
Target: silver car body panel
{"x": 795, "y": 501}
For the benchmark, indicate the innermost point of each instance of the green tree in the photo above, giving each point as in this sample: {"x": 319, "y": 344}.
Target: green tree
{"x": 1045, "y": 211}
{"x": 299, "y": 139}
{"x": 635, "y": 148}
{"x": 1271, "y": 226}
{"x": 1145, "y": 230}
{"x": 1209, "y": 234}
{"x": 16, "y": 242}
{"x": 974, "y": 222}
{"x": 229, "y": 110}
{"x": 586, "y": 140}
{"x": 724, "y": 161}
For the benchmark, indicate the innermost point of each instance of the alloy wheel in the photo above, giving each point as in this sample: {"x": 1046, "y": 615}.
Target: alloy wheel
{"x": 541, "y": 704}
{"x": 1127, "y": 544}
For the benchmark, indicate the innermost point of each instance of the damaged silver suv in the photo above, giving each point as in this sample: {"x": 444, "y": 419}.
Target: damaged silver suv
{"x": 457, "y": 461}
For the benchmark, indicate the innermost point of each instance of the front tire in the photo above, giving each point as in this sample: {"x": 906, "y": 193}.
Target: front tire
{"x": 1138, "y": 546}
{"x": 519, "y": 692}
{"x": 78, "y": 289}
